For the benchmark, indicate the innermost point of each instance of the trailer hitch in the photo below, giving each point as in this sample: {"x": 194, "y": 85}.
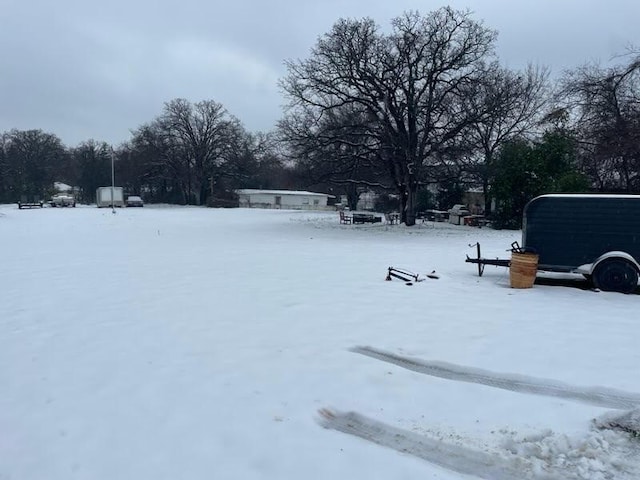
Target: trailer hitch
{"x": 482, "y": 262}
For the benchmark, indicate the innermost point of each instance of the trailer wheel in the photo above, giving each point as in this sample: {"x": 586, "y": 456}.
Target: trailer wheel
{"x": 616, "y": 275}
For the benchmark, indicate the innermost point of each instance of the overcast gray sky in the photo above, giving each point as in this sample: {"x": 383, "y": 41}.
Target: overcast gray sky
{"x": 87, "y": 69}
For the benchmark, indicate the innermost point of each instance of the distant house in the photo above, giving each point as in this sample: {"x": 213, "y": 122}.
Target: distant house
{"x": 366, "y": 200}
{"x": 286, "y": 199}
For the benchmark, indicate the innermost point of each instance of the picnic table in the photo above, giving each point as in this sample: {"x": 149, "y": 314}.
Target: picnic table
{"x": 365, "y": 218}
{"x": 30, "y": 202}
{"x": 475, "y": 220}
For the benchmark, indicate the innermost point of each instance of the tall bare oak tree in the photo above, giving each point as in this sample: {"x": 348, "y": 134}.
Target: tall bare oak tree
{"x": 407, "y": 84}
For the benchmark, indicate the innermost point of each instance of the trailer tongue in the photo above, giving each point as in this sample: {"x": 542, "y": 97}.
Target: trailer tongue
{"x": 482, "y": 262}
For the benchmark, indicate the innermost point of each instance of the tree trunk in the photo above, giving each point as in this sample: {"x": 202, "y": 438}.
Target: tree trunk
{"x": 487, "y": 200}
{"x": 352, "y": 197}
{"x": 185, "y": 192}
{"x": 410, "y": 207}
{"x": 402, "y": 190}
{"x": 202, "y": 200}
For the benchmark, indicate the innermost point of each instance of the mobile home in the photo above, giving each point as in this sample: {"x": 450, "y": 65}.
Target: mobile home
{"x": 286, "y": 199}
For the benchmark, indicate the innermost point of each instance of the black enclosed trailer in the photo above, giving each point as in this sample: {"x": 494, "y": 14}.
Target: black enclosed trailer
{"x": 592, "y": 234}
{"x": 596, "y": 235}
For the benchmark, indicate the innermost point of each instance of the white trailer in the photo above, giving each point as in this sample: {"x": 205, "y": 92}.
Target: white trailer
{"x": 103, "y": 197}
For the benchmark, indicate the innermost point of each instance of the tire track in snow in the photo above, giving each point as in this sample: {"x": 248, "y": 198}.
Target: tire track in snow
{"x": 598, "y": 396}
{"x": 456, "y": 458}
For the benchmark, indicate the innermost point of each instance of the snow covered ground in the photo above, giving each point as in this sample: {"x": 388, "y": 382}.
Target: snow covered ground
{"x": 193, "y": 343}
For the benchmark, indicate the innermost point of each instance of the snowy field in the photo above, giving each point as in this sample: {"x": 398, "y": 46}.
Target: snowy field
{"x": 192, "y": 343}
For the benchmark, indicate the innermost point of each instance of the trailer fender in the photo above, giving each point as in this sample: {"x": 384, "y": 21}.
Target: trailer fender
{"x": 616, "y": 272}
{"x": 614, "y": 254}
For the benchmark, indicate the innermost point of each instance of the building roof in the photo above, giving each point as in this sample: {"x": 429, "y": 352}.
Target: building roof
{"x": 591, "y": 195}
{"x": 250, "y": 191}
{"x": 62, "y": 187}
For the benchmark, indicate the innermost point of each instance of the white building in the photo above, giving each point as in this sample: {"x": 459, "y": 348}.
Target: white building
{"x": 287, "y": 199}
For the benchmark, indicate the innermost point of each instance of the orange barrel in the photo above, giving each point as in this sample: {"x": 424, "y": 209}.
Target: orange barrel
{"x": 523, "y": 269}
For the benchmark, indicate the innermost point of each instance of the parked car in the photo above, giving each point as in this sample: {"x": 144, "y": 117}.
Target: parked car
{"x": 134, "y": 201}
{"x": 62, "y": 200}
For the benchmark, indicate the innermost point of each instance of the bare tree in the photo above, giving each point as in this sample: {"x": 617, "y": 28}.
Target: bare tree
{"x": 512, "y": 105}
{"x": 92, "y": 160}
{"x": 408, "y": 84}
{"x": 4, "y": 171}
{"x": 605, "y": 103}
{"x": 166, "y": 164}
{"x": 193, "y": 145}
{"x": 202, "y": 132}
{"x": 32, "y": 159}
{"x": 335, "y": 149}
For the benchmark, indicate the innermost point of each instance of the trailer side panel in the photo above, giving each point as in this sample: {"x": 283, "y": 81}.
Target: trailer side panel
{"x": 103, "y": 197}
{"x": 568, "y": 231}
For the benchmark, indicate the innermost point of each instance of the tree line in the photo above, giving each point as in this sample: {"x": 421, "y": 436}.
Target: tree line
{"x": 191, "y": 154}
{"x": 421, "y": 112}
